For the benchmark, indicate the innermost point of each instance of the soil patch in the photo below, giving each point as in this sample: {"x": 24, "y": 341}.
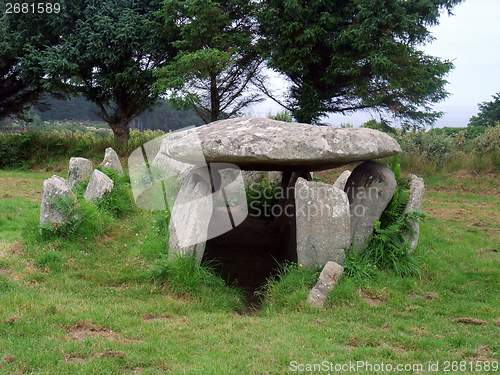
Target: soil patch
{"x": 81, "y": 330}
{"x": 247, "y": 255}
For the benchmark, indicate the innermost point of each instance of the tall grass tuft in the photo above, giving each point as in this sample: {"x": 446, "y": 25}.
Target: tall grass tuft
{"x": 288, "y": 289}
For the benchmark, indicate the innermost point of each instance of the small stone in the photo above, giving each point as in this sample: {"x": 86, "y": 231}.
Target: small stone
{"x": 54, "y": 188}
{"x": 80, "y": 170}
{"x": 9, "y": 358}
{"x": 112, "y": 161}
{"x": 99, "y": 185}
{"x": 329, "y": 277}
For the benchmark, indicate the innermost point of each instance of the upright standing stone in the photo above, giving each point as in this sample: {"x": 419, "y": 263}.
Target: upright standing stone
{"x": 112, "y": 161}
{"x": 99, "y": 185}
{"x": 80, "y": 170}
{"x": 341, "y": 181}
{"x": 370, "y": 189}
{"x": 54, "y": 188}
{"x": 417, "y": 189}
{"x": 190, "y": 218}
{"x": 330, "y": 276}
{"x": 322, "y": 223}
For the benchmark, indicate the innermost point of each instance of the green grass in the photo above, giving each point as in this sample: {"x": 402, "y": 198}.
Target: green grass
{"x": 93, "y": 305}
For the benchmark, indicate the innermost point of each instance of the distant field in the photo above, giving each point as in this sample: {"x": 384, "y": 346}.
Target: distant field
{"x": 90, "y": 306}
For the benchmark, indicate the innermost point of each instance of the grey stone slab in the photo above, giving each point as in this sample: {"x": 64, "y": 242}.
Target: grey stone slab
{"x": 267, "y": 145}
{"x": 54, "y": 188}
{"x": 322, "y": 223}
{"x": 190, "y": 218}
{"x": 80, "y": 170}
{"x": 370, "y": 188}
{"x": 417, "y": 190}
{"x": 98, "y": 186}
{"x": 112, "y": 161}
{"x": 329, "y": 277}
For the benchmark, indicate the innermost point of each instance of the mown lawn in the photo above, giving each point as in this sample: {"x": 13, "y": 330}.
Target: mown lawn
{"x": 90, "y": 306}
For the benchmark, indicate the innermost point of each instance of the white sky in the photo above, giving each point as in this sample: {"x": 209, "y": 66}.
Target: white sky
{"x": 471, "y": 39}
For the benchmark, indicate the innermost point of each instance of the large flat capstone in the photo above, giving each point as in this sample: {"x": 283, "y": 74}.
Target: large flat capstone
{"x": 268, "y": 145}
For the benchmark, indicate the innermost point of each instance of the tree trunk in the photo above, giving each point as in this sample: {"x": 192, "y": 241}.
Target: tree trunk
{"x": 122, "y": 135}
{"x": 214, "y": 99}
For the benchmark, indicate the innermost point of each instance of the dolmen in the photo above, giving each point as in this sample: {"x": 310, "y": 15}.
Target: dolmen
{"x": 320, "y": 221}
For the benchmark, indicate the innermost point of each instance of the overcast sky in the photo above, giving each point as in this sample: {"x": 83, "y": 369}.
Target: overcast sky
{"x": 471, "y": 39}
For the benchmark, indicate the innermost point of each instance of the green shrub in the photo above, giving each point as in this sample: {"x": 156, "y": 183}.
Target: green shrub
{"x": 41, "y": 147}
{"x": 119, "y": 202}
{"x": 262, "y": 196}
{"x": 282, "y": 116}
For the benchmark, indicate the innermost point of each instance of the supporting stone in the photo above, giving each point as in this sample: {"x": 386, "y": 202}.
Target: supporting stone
{"x": 417, "y": 190}
{"x": 330, "y": 276}
{"x": 80, "y": 170}
{"x": 341, "y": 181}
{"x": 54, "y": 188}
{"x": 322, "y": 223}
{"x": 190, "y": 218}
{"x": 99, "y": 185}
{"x": 369, "y": 188}
{"x": 112, "y": 161}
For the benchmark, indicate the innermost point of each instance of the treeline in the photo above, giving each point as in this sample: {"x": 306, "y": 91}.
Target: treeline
{"x": 162, "y": 116}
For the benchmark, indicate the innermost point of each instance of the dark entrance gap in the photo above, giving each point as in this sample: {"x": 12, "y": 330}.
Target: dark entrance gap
{"x": 248, "y": 255}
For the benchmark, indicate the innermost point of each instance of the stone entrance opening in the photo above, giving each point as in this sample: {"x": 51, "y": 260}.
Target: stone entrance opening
{"x": 248, "y": 255}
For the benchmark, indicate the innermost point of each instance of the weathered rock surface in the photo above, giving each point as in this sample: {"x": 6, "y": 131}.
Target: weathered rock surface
{"x": 274, "y": 176}
{"x": 417, "y": 190}
{"x": 98, "y": 186}
{"x": 322, "y": 223}
{"x": 112, "y": 161}
{"x": 328, "y": 278}
{"x": 80, "y": 170}
{"x": 267, "y": 145}
{"x": 190, "y": 218}
{"x": 252, "y": 177}
{"x": 341, "y": 181}
{"x": 54, "y": 188}
{"x": 370, "y": 188}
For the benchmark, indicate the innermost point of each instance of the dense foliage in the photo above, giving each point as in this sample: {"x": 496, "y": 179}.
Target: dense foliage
{"x": 217, "y": 59}
{"x": 489, "y": 113}
{"x": 346, "y": 55}
{"x": 25, "y": 40}
{"x": 340, "y": 56}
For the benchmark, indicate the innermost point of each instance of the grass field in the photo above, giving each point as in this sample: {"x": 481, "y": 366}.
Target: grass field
{"x": 91, "y": 307}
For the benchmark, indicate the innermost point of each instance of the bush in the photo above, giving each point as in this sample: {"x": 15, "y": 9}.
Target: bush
{"x": 41, "y": 147}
